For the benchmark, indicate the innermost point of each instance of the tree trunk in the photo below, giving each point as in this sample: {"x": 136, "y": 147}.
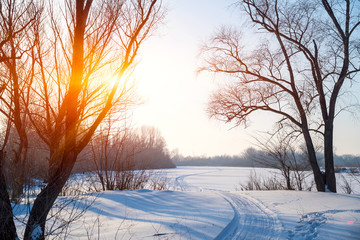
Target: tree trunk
{"x": 288, "y": 184}
{"x": 7, "y": 225}
{"x": 19, "y": 122}
{"x": 63, "y": 163}
{"x": 329, "y": 156}
{"x": 286, "y": 173}
{"x": 35, "y": 227}
{"x": 318, "y": 177}
{"x": 17, "y": 182}
{"x": 18, "y": 172}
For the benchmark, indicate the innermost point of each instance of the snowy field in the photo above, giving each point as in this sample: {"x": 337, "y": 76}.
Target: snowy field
{"x": 206, "y": 203}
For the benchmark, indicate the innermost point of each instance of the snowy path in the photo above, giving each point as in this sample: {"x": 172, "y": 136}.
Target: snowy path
{"x": 184, "y": 185}
{"x": 284, "y": 215}
{"x": 252, "y": 220}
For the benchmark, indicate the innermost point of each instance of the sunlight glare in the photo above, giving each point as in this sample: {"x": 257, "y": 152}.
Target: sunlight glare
{"x": 112, "y": 80}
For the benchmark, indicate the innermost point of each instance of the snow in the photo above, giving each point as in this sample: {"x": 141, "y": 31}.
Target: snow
{"x": 144, "y": 214}
{"x": 204, "y": 204}
{"x": 311, "y": 215}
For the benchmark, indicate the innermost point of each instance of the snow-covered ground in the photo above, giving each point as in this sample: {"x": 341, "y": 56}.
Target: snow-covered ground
{"x": 205, "y": 204}
{"x": 231, "y": 178}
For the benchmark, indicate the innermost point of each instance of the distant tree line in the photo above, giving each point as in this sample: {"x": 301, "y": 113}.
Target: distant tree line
{"x": 124, "y": 150}
{"x": 221, "y": 160}
{"x": 247, "y": 159}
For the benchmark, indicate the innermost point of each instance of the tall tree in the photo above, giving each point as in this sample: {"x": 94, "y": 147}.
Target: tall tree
{"x": 17, "y": 19}
{"x": 310, "y": 50}
{"x": 84, "y": 53}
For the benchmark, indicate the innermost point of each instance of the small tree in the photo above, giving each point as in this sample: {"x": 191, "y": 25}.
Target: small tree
{"x": 122, "y": 155}
{"x": 280, "y": 154}
{"x": 112, "y": 152}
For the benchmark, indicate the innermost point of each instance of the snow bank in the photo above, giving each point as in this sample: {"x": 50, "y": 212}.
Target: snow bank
{"x": 148, "y": 214}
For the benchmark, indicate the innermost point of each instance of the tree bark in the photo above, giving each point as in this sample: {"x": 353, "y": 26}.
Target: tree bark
{"x": 318, "y": 177}
{"x": 35, "y": 227}
{"x": 7, "y": 225}
{"x": 18, "y": 170}
{"x": 329, "y": 157}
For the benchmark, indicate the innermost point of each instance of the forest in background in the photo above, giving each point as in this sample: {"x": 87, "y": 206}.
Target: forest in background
{"x": 248, "y": 159}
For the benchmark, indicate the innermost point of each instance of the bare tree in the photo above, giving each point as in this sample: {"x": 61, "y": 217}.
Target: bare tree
{"x": 7, "y": 228}
{"x": 280, "y": 154}
{"x": 122, "y": 156}
{"x": 112, "y": 152}
{"x": 18, "y": 18}
{"x": 298, "y": 73}
{"x": 79, "y": 47}
{"x": 152, "y": 152}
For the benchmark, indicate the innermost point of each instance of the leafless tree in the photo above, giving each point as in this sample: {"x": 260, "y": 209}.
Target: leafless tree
{"x": 112, "y": 152}
{"x": 280, "y": 154}
{"x": 7, "y": 228}
{"x": 17, "y": 19}
{"x": 79, "y": 46}
{"x": 311, "y": 51}
{"x": 152, "y": 151}
{"x": 123, "y": 156}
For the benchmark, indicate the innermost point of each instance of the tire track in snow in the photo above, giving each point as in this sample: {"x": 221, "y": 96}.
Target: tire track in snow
{"x": 252, "y": 219}
{"x": 180, "y": 182}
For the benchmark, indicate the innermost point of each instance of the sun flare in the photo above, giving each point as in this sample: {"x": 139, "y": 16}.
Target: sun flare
{"x": 112, "y": 80}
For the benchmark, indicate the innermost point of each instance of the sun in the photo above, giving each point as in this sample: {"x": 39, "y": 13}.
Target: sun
{"x": 112, "y": 80}
{"x": 109, "y": 79}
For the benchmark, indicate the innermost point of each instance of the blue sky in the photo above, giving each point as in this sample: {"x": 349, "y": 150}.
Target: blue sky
{"x": 175, "y": 96}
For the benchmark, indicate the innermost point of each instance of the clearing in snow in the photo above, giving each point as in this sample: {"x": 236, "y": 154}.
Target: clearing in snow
{"x": 208, "y": 207}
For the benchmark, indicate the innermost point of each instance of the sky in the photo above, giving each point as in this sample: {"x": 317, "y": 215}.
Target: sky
{"x": 175, "y": 97}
